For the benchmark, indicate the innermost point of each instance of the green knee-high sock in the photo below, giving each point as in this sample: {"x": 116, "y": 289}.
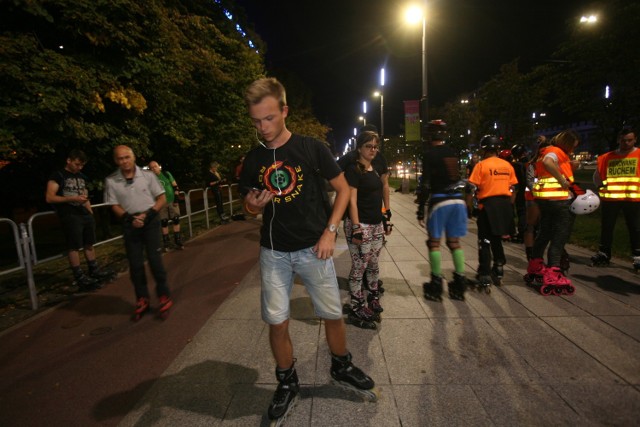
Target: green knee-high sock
{"x": 458, "y": 260}
{"x": 435, "y": 258}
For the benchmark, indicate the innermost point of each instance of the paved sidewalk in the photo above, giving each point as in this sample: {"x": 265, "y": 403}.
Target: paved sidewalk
{"x": 512, "y": 357}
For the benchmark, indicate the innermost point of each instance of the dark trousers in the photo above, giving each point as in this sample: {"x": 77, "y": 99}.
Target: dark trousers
{"x": 556, "y": 223}
{"x": 520, "y": 207}
{"x": 610, "y": 212}
{"x": 136, "y": 241}
{"x": 217, "y": 195}
{"x": 489, "y": 246}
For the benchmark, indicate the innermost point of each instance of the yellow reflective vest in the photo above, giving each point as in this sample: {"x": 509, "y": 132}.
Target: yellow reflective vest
{"x": 620, "y": 174}
{"x": 546, "y": 186}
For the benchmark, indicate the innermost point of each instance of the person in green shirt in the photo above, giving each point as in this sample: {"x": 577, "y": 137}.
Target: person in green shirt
{"x": 171, "y": 211}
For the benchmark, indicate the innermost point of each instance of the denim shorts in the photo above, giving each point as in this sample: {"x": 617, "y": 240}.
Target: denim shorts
{"x": 278, "y": 270}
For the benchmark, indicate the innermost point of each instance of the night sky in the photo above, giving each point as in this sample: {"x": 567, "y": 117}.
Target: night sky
{"x": 337, "y": 49}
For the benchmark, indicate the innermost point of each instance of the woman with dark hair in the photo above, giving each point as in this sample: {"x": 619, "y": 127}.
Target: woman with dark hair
{"x": 553, "y": 193}
{"x": 364, "y": 231}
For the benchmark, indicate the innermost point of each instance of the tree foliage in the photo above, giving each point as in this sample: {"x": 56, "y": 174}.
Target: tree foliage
{"x": 596, "y": 57}
{"x": 571, "y": 87}
{"x": 164, "y": 77}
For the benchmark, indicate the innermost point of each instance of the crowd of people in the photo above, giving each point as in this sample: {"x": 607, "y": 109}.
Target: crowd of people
{"x": 532, "y": 198}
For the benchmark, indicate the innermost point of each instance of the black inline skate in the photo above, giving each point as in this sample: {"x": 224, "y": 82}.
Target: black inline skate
{"x": 373, "y": 299}
{"x": 346, "y": 375}
{"x": 484, "y": 282}
{"x": 84, "y": 282}
{"x": 177, "y": 239}
{"x": 457, "y": 287}
{"x": 433, "y": 290}
{"x": 360, "y": 315}
{"x": 166, "y": 243}
{"x": 102, "y": 275}
{"x": 600, "y": 259}
{"x": 497, "y": 273}
{"x": 285, "y": 396}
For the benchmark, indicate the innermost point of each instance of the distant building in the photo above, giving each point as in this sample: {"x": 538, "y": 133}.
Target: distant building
{"x": 590, "y": 139}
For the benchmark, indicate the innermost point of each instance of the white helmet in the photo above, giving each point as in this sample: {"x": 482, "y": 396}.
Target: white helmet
{"x": 586, "y": 203}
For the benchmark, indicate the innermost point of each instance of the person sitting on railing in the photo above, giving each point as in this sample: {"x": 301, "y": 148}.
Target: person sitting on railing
{"x": 68, "y": 194}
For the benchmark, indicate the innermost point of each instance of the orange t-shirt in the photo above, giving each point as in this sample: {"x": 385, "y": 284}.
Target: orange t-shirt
{"x": 493, "y": 177}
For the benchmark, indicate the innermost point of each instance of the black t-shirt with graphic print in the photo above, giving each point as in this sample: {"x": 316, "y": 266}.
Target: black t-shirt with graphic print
{"x": 296, "y": 218}
{"x": 70, "y": 184}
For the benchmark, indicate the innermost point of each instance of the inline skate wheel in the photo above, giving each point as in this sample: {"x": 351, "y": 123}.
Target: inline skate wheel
{"x": 346, "y": 308}
{"x": 370, "y": 395}
{"x": 546, "y": 290}
{"x": 281, "y": 421}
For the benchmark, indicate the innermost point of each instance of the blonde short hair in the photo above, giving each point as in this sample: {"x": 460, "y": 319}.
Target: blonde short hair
{"x": 261, "y": 88}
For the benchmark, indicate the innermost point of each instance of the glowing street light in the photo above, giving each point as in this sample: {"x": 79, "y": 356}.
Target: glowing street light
{"x": 591, "y": 19}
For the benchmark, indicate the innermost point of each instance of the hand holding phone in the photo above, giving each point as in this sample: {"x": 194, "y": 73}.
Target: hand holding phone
{"x": 252, "y": 189}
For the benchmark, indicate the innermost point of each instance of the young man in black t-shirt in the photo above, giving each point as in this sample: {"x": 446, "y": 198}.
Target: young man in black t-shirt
{"x": 67, "y": 192}
{"x": 283, "y": 177}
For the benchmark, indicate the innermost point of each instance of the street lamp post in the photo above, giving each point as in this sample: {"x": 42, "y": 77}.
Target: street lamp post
{"x": 413, "y": 14}
{"x": 378, "y": 93}
{"x": 424, "y": 105}
{"x": 364, "y": 112}
{"x": 381, "y": 104}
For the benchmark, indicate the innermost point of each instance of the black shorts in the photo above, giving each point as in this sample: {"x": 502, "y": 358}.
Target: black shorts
{"x": 79, "y": 230}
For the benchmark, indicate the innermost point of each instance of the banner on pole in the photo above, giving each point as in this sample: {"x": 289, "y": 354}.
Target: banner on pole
{"x": 412, "y": 120}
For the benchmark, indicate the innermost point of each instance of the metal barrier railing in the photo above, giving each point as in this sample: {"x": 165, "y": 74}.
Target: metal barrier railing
{"x": 16, "y": 240}
{"x": 25, "y": 242}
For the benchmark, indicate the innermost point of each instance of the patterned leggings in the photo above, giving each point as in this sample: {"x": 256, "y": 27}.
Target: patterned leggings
{"x": 364, "y": 257}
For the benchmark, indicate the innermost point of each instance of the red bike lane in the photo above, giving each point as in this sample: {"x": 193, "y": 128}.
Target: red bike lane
{"x": 86, "y": 363}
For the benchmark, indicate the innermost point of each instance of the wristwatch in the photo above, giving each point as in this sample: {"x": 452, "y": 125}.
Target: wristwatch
{"x": 332, "y": 228}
